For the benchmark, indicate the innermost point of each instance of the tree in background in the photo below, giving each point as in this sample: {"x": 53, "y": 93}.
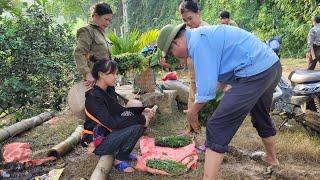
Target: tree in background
{"x": 37, "y": 65}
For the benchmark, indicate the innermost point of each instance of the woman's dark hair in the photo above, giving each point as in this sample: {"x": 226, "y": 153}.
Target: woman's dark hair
{"x": 101, "y": 9}
{"x": 317, "y": 19}
{"x": 189, "y": 5}
{"x": 224, "y": 15}
{"x": 102, "y": 65}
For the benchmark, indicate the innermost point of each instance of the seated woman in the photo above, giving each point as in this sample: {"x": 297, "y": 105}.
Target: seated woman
{"x": 110, "y": 127}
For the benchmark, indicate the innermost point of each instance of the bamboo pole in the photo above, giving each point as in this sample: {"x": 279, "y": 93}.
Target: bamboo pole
{"x": 67, "y": 145}
{"x": 24, "y": 125}
{"x": 103, "y": 168}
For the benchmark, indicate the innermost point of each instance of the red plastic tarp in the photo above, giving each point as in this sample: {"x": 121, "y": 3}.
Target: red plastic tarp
{"x": 170, "y": 76}
{"x": 20, "y": 152}
{"x": 186, "y": 155}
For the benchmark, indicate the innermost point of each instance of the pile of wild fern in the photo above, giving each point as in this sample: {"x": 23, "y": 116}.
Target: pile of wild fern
{"x": 172, "y": 141}
{"x": 168, "y": 166}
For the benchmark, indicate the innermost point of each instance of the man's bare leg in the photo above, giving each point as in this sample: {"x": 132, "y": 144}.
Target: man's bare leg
{"x": 212, "y": 164}
{"x": 270, "y": 147}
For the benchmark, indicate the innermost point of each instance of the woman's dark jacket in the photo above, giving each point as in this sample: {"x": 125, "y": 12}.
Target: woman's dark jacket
{"x": 104, "y": 106}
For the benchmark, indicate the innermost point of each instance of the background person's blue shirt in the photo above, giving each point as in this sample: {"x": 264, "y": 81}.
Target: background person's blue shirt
{"x": 220, "y": 50}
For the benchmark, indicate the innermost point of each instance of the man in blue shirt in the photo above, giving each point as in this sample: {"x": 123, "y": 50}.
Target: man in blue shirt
{"x": 233, "y": 56}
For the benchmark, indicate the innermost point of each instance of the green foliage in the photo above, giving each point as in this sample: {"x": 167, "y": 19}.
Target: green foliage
{"x": 172, "y": 61}
{"x": 147, "y": 38}
{"x": 128, "y": 61}
{"x": 132, "y": 42}
{"x": 126, "y": 44}
{"x": 146, "y": 14}
{"x": 208, "y": 109}
{"x": 74, "y": 10}
{"x": 172, "y": 141}
{"x": 11, "y": 6}
{"x": 168, "y": 166}
{"x": 36, "y": 63}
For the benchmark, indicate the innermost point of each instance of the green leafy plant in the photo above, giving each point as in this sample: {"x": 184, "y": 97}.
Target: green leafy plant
{"x": 147, "y": 38}
{"x": 208, "y": 109}
{"x": 129, "y": 61}
{"x": 132, "y": 42}
{"x": 172, "y": 141}
{"x": 172, "y": 61}
{"x": 169, "y": 166}
{"x": 36, "y": 67}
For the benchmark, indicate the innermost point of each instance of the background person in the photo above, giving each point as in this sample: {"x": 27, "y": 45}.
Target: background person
{"x": 313, "y": 51}
{"x": 224, "y": 18}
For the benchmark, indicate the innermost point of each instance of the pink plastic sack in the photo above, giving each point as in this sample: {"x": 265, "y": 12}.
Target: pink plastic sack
{"x": 170, "y": 76}
{"x": 20, "y": 152}
{"x": 186, "y": 155}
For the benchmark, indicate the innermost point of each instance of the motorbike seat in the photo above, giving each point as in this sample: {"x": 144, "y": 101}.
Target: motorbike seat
{"x": 304, "y": 76}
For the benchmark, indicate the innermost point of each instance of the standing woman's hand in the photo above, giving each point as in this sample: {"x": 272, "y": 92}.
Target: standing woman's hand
{"x": 89, "y": 80}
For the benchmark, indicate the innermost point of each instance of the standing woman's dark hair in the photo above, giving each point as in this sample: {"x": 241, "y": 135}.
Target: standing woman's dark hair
{"x": 189, "y": 5}
{"x": 102, "y": 65}
{"x": 101, "y": 9}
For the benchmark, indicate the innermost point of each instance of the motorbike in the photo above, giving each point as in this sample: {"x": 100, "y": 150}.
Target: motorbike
{"x": 298, "y": 98}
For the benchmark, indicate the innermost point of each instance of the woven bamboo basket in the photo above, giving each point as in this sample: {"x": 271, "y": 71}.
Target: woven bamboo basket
{"x": 145, "y": 82}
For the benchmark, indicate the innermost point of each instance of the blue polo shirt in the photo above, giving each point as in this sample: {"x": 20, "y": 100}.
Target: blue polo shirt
{"x": 218, "y": 51}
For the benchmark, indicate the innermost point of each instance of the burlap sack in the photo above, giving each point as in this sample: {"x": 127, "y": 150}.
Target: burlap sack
{"x": 76, "y": 99}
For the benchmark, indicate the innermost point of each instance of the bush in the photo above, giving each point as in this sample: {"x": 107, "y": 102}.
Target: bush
{"x": 129, "y": 61}
{"x": 36, "y": 63}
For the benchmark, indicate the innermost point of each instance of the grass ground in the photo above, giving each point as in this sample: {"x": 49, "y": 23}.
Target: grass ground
{"x": 298, "y": 151}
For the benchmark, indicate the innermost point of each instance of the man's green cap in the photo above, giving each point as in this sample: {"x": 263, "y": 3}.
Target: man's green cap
{"x": 166, "y": 36}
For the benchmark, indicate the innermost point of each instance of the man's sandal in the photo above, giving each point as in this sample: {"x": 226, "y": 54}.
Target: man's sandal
{"x": 122, "y": 166}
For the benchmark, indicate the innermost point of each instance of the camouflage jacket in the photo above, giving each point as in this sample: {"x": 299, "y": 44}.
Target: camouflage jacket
{"x": 90, "y": 41}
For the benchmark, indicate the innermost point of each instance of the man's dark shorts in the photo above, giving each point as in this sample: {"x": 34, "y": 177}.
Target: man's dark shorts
{"x": 248, "y": 95}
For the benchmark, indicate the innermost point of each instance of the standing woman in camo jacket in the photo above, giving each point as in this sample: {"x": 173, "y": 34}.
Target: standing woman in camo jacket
{"x": 91, "y": 40}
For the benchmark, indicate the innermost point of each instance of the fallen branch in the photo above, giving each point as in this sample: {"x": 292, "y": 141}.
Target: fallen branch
{"x": 103, "y": 168}
{"x": 65, "y": 146}
{"x": 24, "y": 125}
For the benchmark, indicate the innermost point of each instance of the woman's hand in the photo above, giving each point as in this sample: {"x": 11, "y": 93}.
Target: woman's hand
{"x": 148, "y": 114}
{"x": 89, "y": 80}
